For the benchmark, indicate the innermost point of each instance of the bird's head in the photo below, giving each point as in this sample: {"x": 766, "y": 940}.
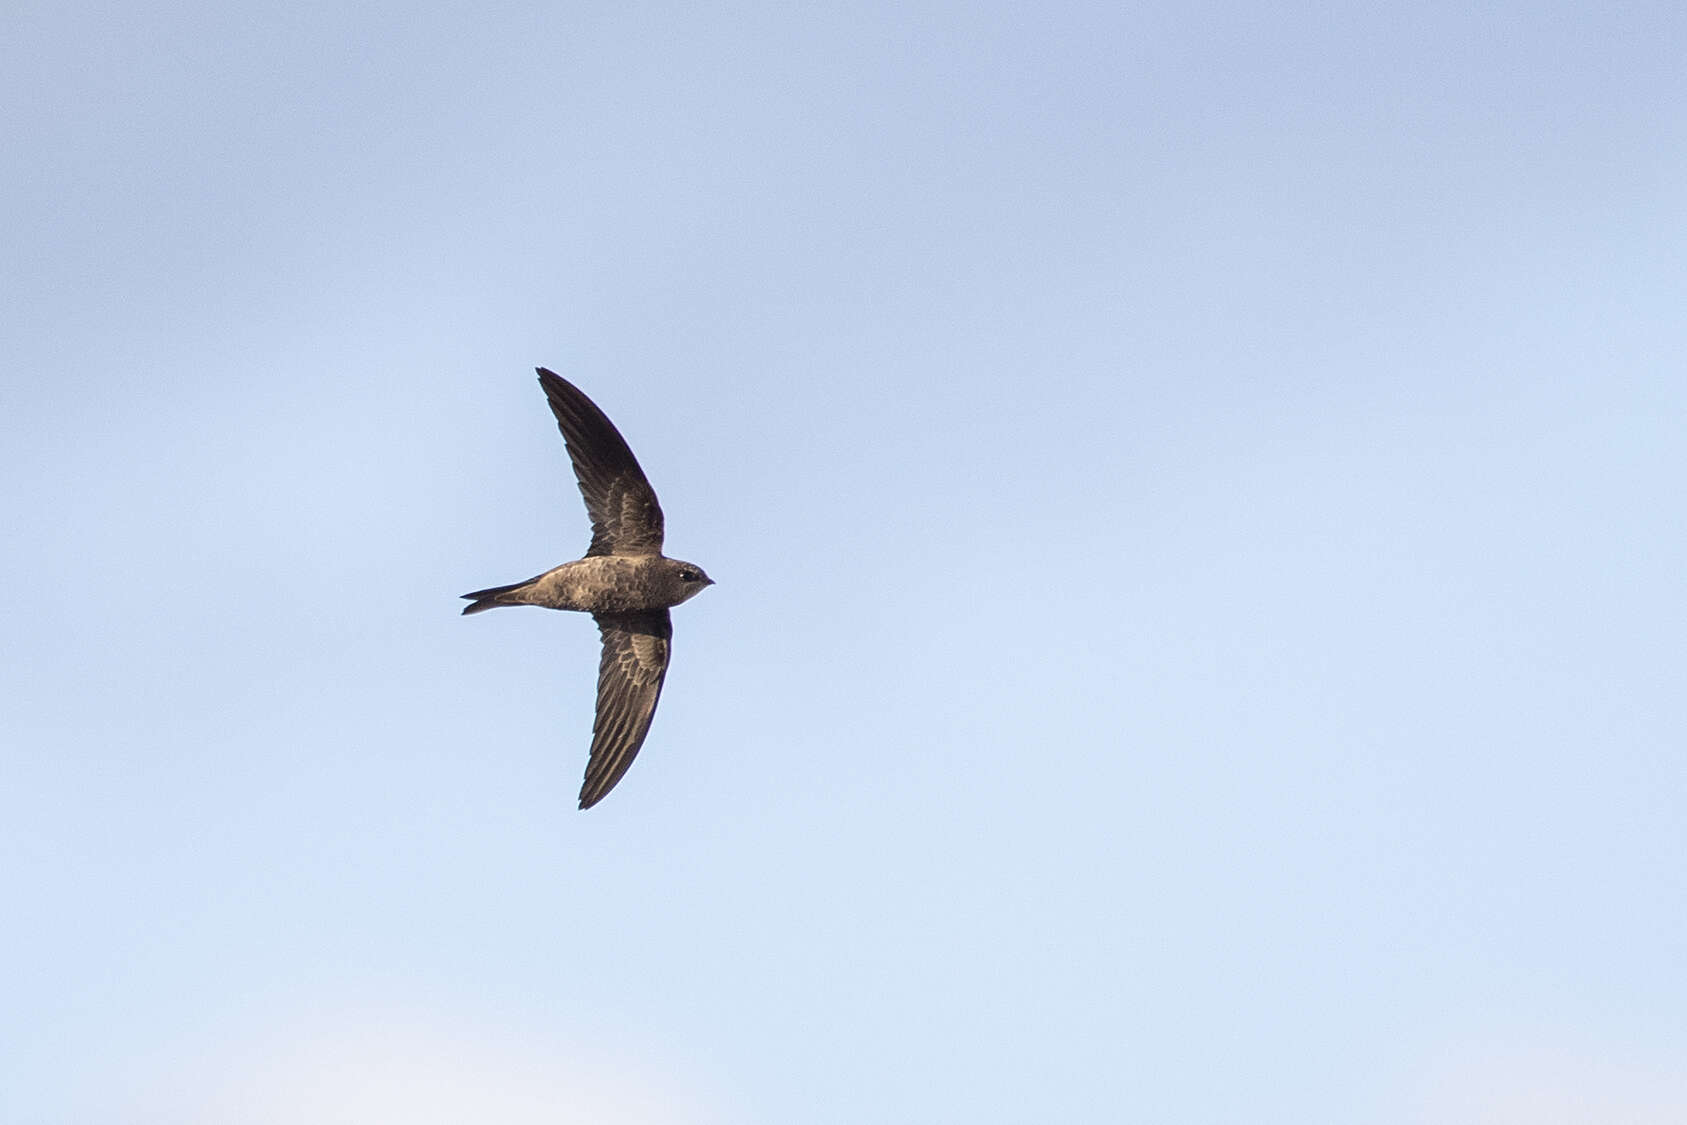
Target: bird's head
{"x": 689, "y": 580}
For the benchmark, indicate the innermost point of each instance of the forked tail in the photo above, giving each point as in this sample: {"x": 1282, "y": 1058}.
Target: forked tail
{"x": 496, "y": 596}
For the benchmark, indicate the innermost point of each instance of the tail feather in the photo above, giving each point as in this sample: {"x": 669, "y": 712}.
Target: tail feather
{"x": 493, "y": 597}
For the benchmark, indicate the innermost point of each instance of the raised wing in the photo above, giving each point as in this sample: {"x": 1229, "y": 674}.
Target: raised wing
{"x": 629, "y": 681}
{"x": 626, "y": 519}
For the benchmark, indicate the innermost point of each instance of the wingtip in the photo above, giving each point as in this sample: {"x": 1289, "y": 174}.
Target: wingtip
{"x": 558, "y": 390}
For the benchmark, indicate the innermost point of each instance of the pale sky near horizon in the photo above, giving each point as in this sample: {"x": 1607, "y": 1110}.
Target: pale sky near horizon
{"x": 1195, "y": 491}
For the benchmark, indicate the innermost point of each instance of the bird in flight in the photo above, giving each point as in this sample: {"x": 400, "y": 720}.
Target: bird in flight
{"x": 625, "y": 582}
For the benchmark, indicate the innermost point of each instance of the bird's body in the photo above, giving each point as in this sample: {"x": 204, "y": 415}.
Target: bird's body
{"x": 600, "y": 584}
{"x": 624, "y": 581}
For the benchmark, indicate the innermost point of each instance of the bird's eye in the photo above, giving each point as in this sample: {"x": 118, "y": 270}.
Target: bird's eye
{"x": 689, "y": 575}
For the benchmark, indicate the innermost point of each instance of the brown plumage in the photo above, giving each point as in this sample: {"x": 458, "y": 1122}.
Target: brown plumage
{"x": 624, "y": 581}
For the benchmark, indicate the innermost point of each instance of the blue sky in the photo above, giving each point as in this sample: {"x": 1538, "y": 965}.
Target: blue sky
{"x": 1194, "y": 491}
